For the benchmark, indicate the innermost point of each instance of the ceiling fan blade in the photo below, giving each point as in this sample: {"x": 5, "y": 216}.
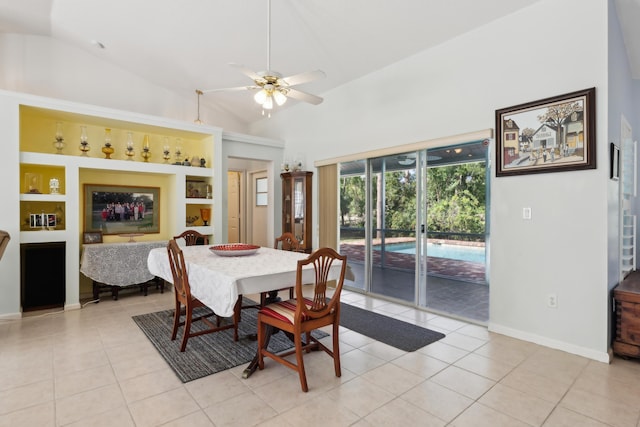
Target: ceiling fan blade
{"x": 247, "y": 72}
{"x": 298, "y": 79}
{"x": 231, "y": 89}
{"x": 303, "y": 96}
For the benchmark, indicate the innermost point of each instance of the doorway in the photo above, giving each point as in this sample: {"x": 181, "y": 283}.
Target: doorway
{"x": 234, "y": 206}
{"x": 241, "y": 202}
{"x": 414, "y": 227}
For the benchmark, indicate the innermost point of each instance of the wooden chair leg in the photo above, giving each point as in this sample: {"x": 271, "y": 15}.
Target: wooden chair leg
{"x": 187, "y": 329}
{"x": 336, "y": 349}
{"x": 300, "y": 361}
{"x": 176, "y": 320}
{"x": 237, "y": 309}
{"x": 261, "y": 343}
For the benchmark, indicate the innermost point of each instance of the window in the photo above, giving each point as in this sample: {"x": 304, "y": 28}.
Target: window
{"x": 261, "y": 192}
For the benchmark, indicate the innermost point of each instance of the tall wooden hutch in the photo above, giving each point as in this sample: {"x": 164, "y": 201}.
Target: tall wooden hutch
{"x": 296, "y": 206}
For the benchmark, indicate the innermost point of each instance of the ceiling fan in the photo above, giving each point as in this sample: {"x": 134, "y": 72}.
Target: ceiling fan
{"x": 271, "y": 86}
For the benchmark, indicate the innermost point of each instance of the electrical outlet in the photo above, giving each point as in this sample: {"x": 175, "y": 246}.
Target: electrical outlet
{"x": 526, "y": 213}
{"x": 552, "y": 300}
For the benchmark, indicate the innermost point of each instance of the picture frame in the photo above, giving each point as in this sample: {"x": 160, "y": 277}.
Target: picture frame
{"x": 43, "y": 220}
{"x": 197, "y": 189}
{"x": 555, "y": 134}
{"x": 614, "y": 157}
{"x": 121, "y": 209}
{"x": 91, "y": 237}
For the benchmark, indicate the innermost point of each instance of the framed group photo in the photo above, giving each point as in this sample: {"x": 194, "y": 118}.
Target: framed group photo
{"x": 549, "y": 135}
{"x": 119, "y": 209}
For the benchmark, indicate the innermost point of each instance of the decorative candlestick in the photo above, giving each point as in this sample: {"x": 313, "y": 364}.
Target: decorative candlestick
{"x": 146, "y": 153}
{"x": 107, "y": 149}
{"x": 59, "y": 142}
{"x": 84, "y": 142}
{"x": 130, "y": 152}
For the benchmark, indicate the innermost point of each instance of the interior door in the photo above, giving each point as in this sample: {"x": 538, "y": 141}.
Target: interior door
{"x": 233, "y": 207}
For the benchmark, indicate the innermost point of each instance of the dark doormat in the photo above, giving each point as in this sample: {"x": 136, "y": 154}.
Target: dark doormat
{"x": 210, "y": 353}
{"x": 393, "y": 332}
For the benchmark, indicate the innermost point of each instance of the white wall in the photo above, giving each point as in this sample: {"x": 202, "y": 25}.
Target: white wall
{"x": 455, "y": 88}
{"x": 44, "y": 66}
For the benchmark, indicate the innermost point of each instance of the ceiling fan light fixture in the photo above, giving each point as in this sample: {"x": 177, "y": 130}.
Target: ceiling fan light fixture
{"x": 268, "y": 103}
{"x": 279, "y": 97}
{"x": 261, "y": 96}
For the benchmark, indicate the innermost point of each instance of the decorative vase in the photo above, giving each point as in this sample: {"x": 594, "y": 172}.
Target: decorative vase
{"x": 205, "y": 214}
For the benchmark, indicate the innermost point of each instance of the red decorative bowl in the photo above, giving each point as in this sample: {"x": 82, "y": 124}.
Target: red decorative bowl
{"x": 234, "y": 249}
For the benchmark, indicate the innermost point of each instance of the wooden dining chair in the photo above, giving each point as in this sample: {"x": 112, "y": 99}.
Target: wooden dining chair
{"x": 286, "y": 242}
{"x": 302, "y": 315}
{"x": 183, "y": 297}
{"x": 192, "y": 237}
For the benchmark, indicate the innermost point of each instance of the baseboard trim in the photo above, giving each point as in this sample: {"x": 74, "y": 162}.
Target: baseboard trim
{"x": 11, "y": 316}
{"x": 589, "y": 353}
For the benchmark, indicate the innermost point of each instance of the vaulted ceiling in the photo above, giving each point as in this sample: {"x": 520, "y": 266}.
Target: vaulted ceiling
{"x": 187, "y": 45}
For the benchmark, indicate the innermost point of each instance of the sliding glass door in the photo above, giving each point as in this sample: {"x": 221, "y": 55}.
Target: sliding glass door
{"x": 393, "y": 245}
{"x": 413, "y": 227}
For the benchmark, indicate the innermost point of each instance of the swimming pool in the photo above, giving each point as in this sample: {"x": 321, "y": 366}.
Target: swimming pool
{"x": 460, "y": 252}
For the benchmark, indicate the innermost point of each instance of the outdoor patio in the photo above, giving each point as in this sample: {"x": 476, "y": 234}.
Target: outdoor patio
{"x": 454, "y": 287}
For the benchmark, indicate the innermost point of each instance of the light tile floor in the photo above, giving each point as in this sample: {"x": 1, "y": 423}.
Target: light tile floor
{"x": 94, "y": 367}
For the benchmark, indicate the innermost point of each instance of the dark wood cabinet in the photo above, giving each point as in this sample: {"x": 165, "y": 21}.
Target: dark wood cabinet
{"x": 627, "y": 300}
{"x": 296, "y": 206}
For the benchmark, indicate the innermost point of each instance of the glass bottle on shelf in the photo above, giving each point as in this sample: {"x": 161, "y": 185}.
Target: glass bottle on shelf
{"x": 107, "y": 149}
{"x": 59, "y": 139}
{"x": 84, "y": 141}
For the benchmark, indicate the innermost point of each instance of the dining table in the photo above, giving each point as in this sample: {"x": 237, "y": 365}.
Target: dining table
{"x": 218, "y": 280}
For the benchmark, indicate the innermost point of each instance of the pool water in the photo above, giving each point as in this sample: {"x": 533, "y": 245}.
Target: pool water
{"x": 459, "y": 252}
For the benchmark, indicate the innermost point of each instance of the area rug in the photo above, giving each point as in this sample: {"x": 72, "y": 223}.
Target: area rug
{"x": 388, "y": 330}
{"x": 210, "y": 353}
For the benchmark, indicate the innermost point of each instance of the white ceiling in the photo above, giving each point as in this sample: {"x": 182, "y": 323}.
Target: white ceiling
{"x": 186, "y": 45}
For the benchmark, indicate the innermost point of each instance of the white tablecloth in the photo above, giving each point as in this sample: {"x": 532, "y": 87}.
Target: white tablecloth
{"x": 217, "y": 280}
{"x": 118, "y": 264}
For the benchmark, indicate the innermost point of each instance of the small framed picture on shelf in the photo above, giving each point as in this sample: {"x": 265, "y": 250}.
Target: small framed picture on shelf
{"x": 197, "y": 190}
{"x": 43, "y": 220}
{"x": 89, "y": 237}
